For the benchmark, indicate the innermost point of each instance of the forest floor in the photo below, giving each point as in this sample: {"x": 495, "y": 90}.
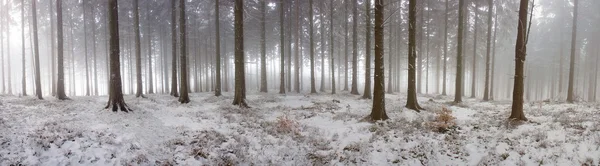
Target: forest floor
{"x": 293, "y": 129}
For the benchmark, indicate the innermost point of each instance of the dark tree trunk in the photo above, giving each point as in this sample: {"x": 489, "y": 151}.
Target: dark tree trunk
{"x": 331, "y": 51}
{"x": 217, "y": 51}
{"x": 38, "y": 83}
{"x": 411, "y": 101}
{"x": 474, "y": 69}
{"x": 444, "y": 79}
{"x": 354, "y": 90}
{"x": 570, "y": 94}
{"x": 459, "y": 51}
{"x": 138, "y": 58}
{"x": 60, "y": 85}
{"x": 52, "y": 51}
{"x": 174, "y": 90}
{"x": 24, "y": 78}
{"x": 94, "y": 65}
{"x": 87, "y": 71}
{"x": 367, "y": 90}
{"x": 297, "y": 58}
{"x": 378, "y": 111}
{"x": 346, "y": 46}
{"x": 115, "y": 99}
{"x": 281, "y": 47}
{"x": 492, "y": 77}
{"x": 322, "y": 45}
{"x": 520, "y": 53}
{"x": 240, "y": 79}
{"x": 486, "y": 93}
{"x": 313, "y": 89}
{"x": 149, "y": 49}
{"x": 263, "y": 50}
{"x": 183, "y": 97}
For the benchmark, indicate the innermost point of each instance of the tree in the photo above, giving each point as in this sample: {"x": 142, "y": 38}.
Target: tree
{"x": 174, "y": 92}
{"x": 60, "y": 85}
{"x": 322, "y": 45}
{"x": 354, "y": 90}
{"x": 281, "y": 47}
{"x": 411, "y": 101}
{"x": 486, "y": 91}
{"x": 87, "y": 71}
{"x": 313, "y": 90}
{"x": 217, "y": 51}
{"x": 570, "y": 94}
{"x": 331, "y": 47}
{"x": 240, "y": 78}
{"x": 445, "y": 49}
{"x": 459, "y": 51}
{"x": 378, "y": 111}
{"x": 367, "y": 90}
{"x": 138, "y": 51}
{"x": 346, "y": 46}
{"x": 38, "y": 83}
{"x": 24, "y": 78}
{"x": 115, "y": 97}
{"x": 474, "y": 69}
{"x": 520, "y": 53}
{"x": 297, "y": 43}
{"x": 263, "y": 50}
{"x": 183, "y": 97}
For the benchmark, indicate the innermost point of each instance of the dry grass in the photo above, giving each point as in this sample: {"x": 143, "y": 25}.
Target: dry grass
{"x": 444, "y": 120}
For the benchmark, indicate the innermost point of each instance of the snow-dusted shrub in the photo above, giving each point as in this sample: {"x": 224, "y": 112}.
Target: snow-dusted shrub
{"x": 444, "y": 120}
{"x": 287, "y": 125}
{"x": 54, "y": 134}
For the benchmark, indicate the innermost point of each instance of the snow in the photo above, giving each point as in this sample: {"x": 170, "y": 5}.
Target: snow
{"x": 293, "y": 129}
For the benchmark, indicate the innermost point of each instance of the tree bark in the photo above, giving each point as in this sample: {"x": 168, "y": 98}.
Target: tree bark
{"x": 486, "y": 93}
{"x": 60, "y": 84}
{"x": 459, "y": 51}
{"x": 354, "y": 90}
{"x": 217, "y": 51}
{"x": 183, "y": 97}
{"x": 240, "y": 80}
{"x": 520, "y": 54}
{"x": 474, "y": 69}
{"x": 444, "y": 79}
{"x": 313, "y": 89}
{"x": 322, "y": 47}
{"x": 346, "y": 46}
{"x": 411, "y": 100}
{"x": 138, "y": 52}
{"x": 174, "y": 90}
{"x": 367, "y": 90}
{"x": 378, "y": 111}
{"x": 281, "y": 47}
{"x": 38, "y": 83}
{"x": 115, "y": 99}
{"x": 570, "y": 94}
{"x": 331, "y": 51}
{"x": 24, "y": 78}
{"x": 263, "y": 51}
{"x": 297, "y": 58}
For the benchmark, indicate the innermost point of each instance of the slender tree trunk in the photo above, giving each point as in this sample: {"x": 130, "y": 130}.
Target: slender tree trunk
{"x": 7, "y": 27}
{"x": 60, "y": 85}
{"x": 115, "y": 99}
{"x": 411, "y": 101}
{"x": 354, "y": 90}
{"x": 38, "y": 83}
{"x": 331, "y": 51}
{"x": 52, "y": 54}
{"x": 313, "y": 90}
{"x": 474, "y": 69}
{"x": 297, "y": 58}
{"x": 570, "y": 94}
{"x": 378, "y": 111}
{"x": 444, "y": 79}
{"x": 95, "y": 56}
{"x": 459, "y": 51}
{"x": 367, "y": 90}
{"x": 240, "y": 80}
{"x": 24, "y": 78}
{"x": 520, "y": 53}
{"x": 346, "y": 46}
{"x": 87, "y": 71}
{"x": 322, "y": 45}
{"x": 281, "y": 47}
{"x": 183, "y": 98}
{"x": 492, "y": 77}
{"x": 263, "y": 50}
{"x": 174, "y": 90}
{"x": 138, "y": 58}
{"x": 149, "y": 49}
{"x": 486, "y": 95}
{"x": 217, "y": 50}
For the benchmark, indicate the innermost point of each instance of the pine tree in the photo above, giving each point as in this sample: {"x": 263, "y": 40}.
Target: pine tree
{"x": 183, "y": 97}
{"x": 367, "y": 89}
{"x": 174, "y": 86}
{"x": 38, "y": 83}
{"x": 378, "y": 111}
{"x": 520, "y": 53}
{"x": 459, "y": 51}
{"x": 570, "y": 94}
{"x": 411, "y": 101}
{"x": 60, "y": 85}
{"x": 240, "y": 78}
{"x": 115, "y": 99}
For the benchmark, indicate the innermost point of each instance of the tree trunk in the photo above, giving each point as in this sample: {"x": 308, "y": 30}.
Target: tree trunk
{"x": 217, "y": 51}
{"x": 174, "y": 91}
{"x": 149, "y": 49}
{"x": 486, "y": 95}
{"x": 322, "y": 45}
{"x": 346, "y": 46}
{"x": 474, "y": 69}
{"x": 354, "y": 90}
{"x": 411, "y": 101}
{"x": 60, "y": 85}
{"x": 7, "y": 26}
{"x": 263, "y": 51}
{"x": 183, "y": 98}
{"x": 313, "y": 90}
{"x": 94, "y": 65}
{"x": 138, "y": 52}
{"x": 240, "y": 80}
{"x": 52, "y": 51}
{"x": 367, "y": 90}
{"x": 115, "y": 99}
{"x": 24, "y": 78}
{"x": 297, "y": 58}
{"x": 38, "y": 83}
{"x": 281, "y": 47}
{"x": 492, "y": 77}
{"x": 87, "y": 71}
{"x": 444, "y": 79}
{"x": 570, "y": 94}
{"x": 331, "y": 51}
{"x": 378, "y": 111}
{"x": 459, "y": 51}
{"x": 520, "y": 53}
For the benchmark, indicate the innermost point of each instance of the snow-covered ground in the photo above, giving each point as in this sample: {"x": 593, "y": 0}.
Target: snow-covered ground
{"x": 291, "y": 130}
